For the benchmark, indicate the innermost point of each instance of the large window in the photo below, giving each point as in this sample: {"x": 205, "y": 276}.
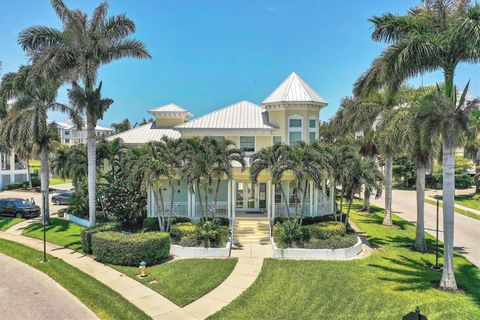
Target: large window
{"x": 295, "y": 129}
{"x": 247, "y": 144}
{"x": 312, "y": 130}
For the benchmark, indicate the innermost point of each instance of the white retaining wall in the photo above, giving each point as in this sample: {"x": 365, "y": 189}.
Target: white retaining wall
{"x": 199, "y": 252}
{"x": 317, "y": 254}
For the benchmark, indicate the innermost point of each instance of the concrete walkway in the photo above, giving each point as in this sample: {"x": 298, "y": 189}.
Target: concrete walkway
{"x": 26, "y": 293}
{"x": 152, "y": 303}
{"x": 466, "y": 232}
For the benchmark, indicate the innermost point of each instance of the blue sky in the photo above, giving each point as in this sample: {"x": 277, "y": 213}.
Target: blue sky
{"x": 208, "y": 54}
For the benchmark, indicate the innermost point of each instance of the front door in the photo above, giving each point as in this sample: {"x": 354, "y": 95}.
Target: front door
{"x": 250, "y": 197}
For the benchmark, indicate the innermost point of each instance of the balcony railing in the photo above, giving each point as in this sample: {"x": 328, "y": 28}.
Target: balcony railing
{"x": 221, "y": 211}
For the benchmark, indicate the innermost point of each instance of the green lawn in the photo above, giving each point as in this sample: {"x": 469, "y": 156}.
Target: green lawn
{"x": 61, "y": 232}
{"x": 457, "y": 210}
{"x": 103, "y": 301}
{"x": 468, "y": 200}
{"x": 7, "y": 222}
{"x": 55, "y": 181}
{"x": 184, "y": 281}
{"x": 386, "y": 285}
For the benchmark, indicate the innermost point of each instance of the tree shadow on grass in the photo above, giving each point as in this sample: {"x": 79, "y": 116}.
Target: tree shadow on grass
{"x": 414, "y": 275}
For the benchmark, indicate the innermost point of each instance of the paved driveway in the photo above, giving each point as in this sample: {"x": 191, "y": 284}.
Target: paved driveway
{"x": 26, "y": 293}
{"x": 466, "y": 233}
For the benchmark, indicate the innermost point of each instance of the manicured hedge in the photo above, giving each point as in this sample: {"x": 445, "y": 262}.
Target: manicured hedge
{"x": 180, "y": 230}
{"x": 325, "y": 230}
{"x": 12, "y": 186}
{"x": 130, "y": 250}
{"x": 86, "y": 234}
{"x": 335, "y": 242}
{"x": 435, "y": 181}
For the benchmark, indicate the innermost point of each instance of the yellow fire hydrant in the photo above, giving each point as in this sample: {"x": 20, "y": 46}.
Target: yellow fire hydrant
{"x": 143, "y": 269}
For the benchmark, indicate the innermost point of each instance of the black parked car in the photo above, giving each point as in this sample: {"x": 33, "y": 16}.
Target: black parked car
{"x": 18, "y": 207}
{"x": 62, "y": 198}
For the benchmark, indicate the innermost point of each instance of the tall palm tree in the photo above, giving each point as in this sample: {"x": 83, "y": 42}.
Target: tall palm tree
{"x": 437, "y": 35}
{"x": 360, "y": 172}
{"x": 275, "y": 161}
{"x": 31, "y": 99}
{"x": 80, "y": 49}
{"x": 92, "y": 102}
{"x": 368, "y": 149}
{"x": 227, "y": 153}
{"x": 390, "y": 137}
{"x": 421, "y": 145}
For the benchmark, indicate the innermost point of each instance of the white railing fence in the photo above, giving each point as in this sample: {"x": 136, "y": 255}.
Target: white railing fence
{"x": 179, "y": 209}
{"x": 220, "y": 211}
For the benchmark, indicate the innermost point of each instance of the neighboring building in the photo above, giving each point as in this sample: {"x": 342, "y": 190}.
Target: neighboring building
{"x": 289, "y": 114}
{"x": 12, "y": 169}
{"x": 70, "y": 135}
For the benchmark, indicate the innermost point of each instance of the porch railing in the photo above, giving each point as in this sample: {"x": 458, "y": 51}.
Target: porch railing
{"x": 179, "y": 209}
{"x": 220, "y": 211}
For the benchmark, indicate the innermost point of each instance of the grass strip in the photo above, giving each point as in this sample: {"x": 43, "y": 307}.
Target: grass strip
{"x": 103, "y": 301}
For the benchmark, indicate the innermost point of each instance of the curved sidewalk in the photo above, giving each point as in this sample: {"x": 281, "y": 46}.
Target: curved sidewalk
{"x": 31, "y": 294}
{"x": 151, "y": 302}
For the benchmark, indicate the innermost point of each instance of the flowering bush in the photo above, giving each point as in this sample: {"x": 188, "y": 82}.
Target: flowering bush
{"x": 125, "y": 204}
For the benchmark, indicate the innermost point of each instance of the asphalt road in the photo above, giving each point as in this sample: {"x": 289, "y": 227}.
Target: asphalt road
{"x": 26, "y": 293}
{"x": 466, "y": 233}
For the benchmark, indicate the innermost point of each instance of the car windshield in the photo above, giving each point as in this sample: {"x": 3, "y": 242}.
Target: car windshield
{"x": 21, "y": 202}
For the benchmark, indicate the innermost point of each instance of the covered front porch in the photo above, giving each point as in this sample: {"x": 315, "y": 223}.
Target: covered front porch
{"x": 239, "y": 198}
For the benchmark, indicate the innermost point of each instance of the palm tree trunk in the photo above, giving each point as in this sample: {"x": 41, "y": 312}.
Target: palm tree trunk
{"x": 216, "y": 198}
{"x": 333, "y": 194}
{"x": 448, "y": 277}
{"x": 387, "y": 220}
{"x": 366, "y": 200}
{"x": 92, "y": 169}
{"x": 159, "y": 209}
{"x": 29, "y": 175}
{"x": 162, "y": 224}
{"x": 303, "y": 201}
{"x": 44, "y": 184}
{"x": 420, "y": 244}
{"x": 206, "y": 201}
{"x": 172, "y": 195}
{"x": 348, "y": 210}
{"x": 342, "y": 194}
{"x": 197, "y": 189}
{"x": 284, "y": 199}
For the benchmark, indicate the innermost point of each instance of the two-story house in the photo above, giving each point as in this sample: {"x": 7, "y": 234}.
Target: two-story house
{"x": 70, "y": 135}
{"x": 289, "y": 114}
{"x": 12, "y": 169}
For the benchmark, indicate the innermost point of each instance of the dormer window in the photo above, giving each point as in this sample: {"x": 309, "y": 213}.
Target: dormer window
{"x": 295, "y": 129}
{"x": 247, "y": 144}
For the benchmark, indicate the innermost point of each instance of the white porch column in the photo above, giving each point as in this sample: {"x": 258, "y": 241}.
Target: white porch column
{"x": 149, "y": 201}
{"x": 272, "y": 195}
{"x": 229, "y": 198}
{"x": 268, "y": 196}
{"x": 194, "y": 207}
{"x": 189, "y": 202}
{"x": 312, "y": 195}
{"x": 324, "y": 186}
{"x": 315, "y": 200}
{"x": 233, "y": 197}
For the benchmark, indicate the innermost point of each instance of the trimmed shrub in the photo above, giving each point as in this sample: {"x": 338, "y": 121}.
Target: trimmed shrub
{"x": 212, "y": 234}
{"x": 151, "y": 223}
{"x": 326, "y": 230}
{"x": 463, "y": 181}
{"x": 130, "y": 250}
{"x": 335, "y": 242}
{"x": 185, "y": 229}
{"x": 435, "y": 181}
{"x": 288, "y": 233}
{"x": 87, "y": 233}
{"x": 12, "y": 186}
{"x": 309, "y": 220}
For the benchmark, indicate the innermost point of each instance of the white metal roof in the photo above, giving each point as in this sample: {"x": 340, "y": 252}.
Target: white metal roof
{"x": 169, "y": 108}
{"x": 240, "y": 115}
{"x": 68, "y": 126}
{"x": 294, "y": 90}
{"x": 144, "y": 134}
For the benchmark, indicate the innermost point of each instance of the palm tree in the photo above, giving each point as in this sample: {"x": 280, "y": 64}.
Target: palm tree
{"x": 275, "y": 161}
{"x": 79, "y": 50}
{"x": 148, "y": 167}
{"x": 438, "y": 35}
{"x": 307, "y": 164}
{"x": 92, "y": 102}
{"x": 227, "y": 153}
{"x": 422, "y": 145}
{"x": 368, "y": 149}
{"x": 31, "y": 99}
{"x": 361, "y": 172}
{"x": 122, "y": 126}
{"x": 390, "y": 137}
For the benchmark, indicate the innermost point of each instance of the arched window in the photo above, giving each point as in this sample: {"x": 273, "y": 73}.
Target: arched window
{"x": 295, "y": 129}
{"x": 312, "y": 129}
